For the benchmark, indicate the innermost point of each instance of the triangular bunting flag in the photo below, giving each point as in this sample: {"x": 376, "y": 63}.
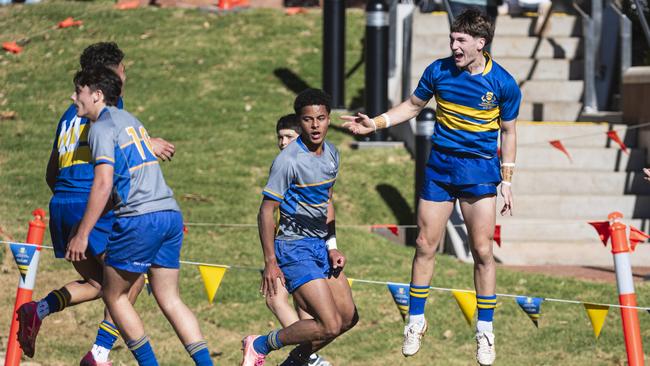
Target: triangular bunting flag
{"x": 532, "y": 306}
{"x": 637, "y": 236}
{"x": 467, "y": 304}
{"x": 23, "y": 255}
{"x": 212, "y": 277}
{"x": 558, "y": 145}
{"x": 613, "y": 135}
{"x": 597, "y": 315}
{"x": 497, "y": 235}
{"x": 147, "y": 284}
{"x": 602, "y": 227}
{"x": 350, "y": 281}
{"x": 400, "y": 293}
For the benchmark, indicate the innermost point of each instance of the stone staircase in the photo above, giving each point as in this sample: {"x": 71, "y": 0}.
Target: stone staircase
{"x": 554, "y": 197}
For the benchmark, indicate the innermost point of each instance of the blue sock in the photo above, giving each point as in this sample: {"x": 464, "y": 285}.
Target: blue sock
{"x": 417, "y": 299}
{"x": 265, "y": 344}
{"x": 486, "y": 305}
{"x": 54, "y": 302}
{"x": 199, "y": 353}
{"x": 107, "y": 334}
{"x": 142, "y": 351}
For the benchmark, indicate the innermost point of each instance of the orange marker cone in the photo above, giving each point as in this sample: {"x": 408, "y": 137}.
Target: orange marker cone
{"x": 69, "y": 22}
{"x": 12, "y": 47}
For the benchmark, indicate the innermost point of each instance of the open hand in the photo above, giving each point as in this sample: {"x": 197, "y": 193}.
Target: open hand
{"x": 270, "y": 275}
{"x": 76, "y": 250}
{"x": 359, "y": 124}
{"x": 162, "y": 149}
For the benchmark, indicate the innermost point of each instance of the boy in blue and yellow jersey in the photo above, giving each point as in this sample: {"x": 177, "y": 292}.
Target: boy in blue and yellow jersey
{"x": 147, "y": 234}
{"x": 476, "y": 99}
{"x": 70, "y": 176}
{"x": 296, "y": 256}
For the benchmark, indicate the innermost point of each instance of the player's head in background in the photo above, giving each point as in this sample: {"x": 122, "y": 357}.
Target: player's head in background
{"x": 313, "y": 107}
{"x": 470, "y": 33}
{"x": 95, "y": 88}
{"x": 105, "y": 54}
{"x": 287, "y": 129}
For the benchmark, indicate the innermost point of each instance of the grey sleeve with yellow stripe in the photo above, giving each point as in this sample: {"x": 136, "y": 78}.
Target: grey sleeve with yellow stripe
{"x": 101, "y": 139}
{"x": 280, "y": 177}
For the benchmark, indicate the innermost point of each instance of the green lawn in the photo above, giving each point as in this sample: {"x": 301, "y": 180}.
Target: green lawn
{"x": 211, "y": 85}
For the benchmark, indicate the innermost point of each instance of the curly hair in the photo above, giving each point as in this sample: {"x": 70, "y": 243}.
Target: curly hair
{"x": 309, "y": 97}
{"x": 100, "y": 78}
{"x": 473, "y": 22}
{"x": 101, "y": 54}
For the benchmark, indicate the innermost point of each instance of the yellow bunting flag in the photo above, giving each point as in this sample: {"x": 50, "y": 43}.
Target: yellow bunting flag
{"x": 597, "y": 315}
{"x": 467, "y": 303}
{"x": 350, "y": 281}
{"x": 212, "y": 277}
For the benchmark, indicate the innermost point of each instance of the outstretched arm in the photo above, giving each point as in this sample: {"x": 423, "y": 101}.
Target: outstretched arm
{"x": 508, "y": 155}
{"x": 266, "y": 227}
{"x": 99, "y": 194}
{"x": 361, "y": 124}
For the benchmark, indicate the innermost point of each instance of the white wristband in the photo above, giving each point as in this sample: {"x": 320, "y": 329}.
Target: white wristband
{"x": 506, "y": 183}
{"x": 387, "y": 118}
{"x": 331, "y": 243}
{"x": 508, "y": 164}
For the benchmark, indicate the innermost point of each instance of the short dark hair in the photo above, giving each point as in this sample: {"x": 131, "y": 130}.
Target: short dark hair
{"x": 289, "y": 122}
{"x": 105, "y": 54}
{"x": 309, "y": 97}
{"x": 473, "y": 22}
{"x": 100, "y": 78}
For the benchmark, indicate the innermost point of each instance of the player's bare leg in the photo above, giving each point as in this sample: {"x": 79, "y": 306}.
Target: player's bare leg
{"x": 432, "y": 220}
{"x": 480, "y": 216}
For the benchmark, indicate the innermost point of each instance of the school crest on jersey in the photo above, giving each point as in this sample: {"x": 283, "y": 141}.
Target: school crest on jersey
{"x": 488, "y": 101}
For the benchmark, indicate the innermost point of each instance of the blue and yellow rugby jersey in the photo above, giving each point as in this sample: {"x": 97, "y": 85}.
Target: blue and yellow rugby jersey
{"x": 301, "y": 181}
{"x": 470, "y": 107}
{"x": 119, "y": 139}
{"x": 71, "y": 141}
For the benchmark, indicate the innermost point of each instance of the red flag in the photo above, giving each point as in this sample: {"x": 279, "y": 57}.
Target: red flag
{"x": 497, "y": 235}
{"x": 613, "y": 135}
{"x": 602, "y": 227}
{"x": 12, "y": 47}
{"x": 637, "y": 236}
{"x": 69, "y": 22}
{"x": 558, "y": 145}
{"x": 391, "y": 227}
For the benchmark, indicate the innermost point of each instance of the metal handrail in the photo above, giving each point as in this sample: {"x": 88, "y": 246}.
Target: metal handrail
{"x": 644, "y": 23}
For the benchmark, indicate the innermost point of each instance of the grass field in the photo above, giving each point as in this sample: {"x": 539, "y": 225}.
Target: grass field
{"x": 214, "y": 86}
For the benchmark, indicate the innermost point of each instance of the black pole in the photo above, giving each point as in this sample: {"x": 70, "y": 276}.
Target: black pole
{"x": 423, "y": 131}
{"x": 334, "y": 51}
{"x": 376, "y": 86}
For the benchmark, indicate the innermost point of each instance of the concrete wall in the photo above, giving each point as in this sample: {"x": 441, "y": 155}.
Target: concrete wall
{"x": 636, "y": 103}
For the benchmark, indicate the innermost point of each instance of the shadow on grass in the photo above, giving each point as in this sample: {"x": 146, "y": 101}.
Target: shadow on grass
{"x": 291, "y": 80}
{"x": 397, "y": 203}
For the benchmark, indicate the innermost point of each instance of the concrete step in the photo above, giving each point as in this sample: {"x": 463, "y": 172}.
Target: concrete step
{"x": 549, "y": 111}
{"x": 557, "y": 26}
{"x": 527, "y": 182}
{"x": 524, "y": 47}
{"x": 543, "y": 69}
{"x": 582, "y": 207}
{"x": 546, "y": 157}
{"x": 516, "y": 230}
{"x": 590, "y": 253}
{"x": 552, "y": 90}
{"x": 430, "y": 24}
{"x": 581, "y": 134}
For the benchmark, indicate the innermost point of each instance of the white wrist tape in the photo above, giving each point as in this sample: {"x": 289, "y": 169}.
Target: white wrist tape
{"x": 506, "y": 183}
{"x": 331, "y": 243}
{"x": 374, "y": 125}
{"x": 387, "y": 118}
{"x": 508, "y": 164}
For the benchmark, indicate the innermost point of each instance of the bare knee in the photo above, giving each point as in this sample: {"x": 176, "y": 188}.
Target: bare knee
{"x": 483, "y": 254}
{"x": 425, "y": 247}
{"x": 350, "y": 321}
